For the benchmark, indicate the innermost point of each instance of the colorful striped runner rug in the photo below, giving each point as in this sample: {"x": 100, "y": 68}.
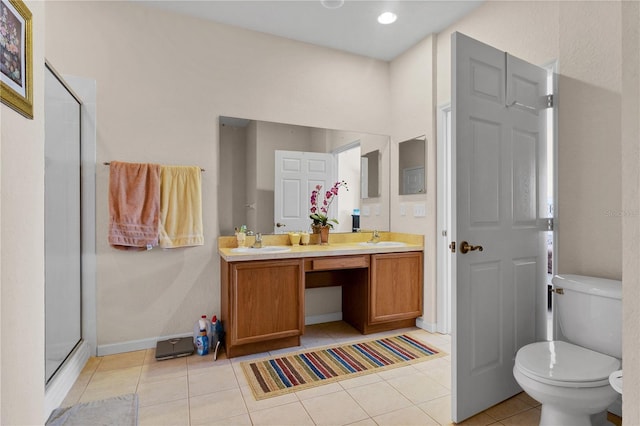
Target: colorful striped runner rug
{"x": 283, "y": 374}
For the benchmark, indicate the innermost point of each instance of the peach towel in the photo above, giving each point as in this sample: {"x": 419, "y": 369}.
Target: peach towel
{"x": 180, "y": 207}
{"x": 134, "y": 205}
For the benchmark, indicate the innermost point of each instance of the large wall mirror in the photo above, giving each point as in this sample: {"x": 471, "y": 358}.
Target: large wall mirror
{"x": 412, "y": 166}
{"x": 250, "y": 175}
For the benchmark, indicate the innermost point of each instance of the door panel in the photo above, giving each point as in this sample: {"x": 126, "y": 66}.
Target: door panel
{"x": 496, "y": 156}
{"x": 296, "y": 175}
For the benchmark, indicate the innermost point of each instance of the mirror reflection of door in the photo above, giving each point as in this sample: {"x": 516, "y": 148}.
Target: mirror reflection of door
{"x": 413, "y": 180}
{"x": 296, "y": 174}
{"x": 411, "y": 162}
{"x": 370, "y": 174}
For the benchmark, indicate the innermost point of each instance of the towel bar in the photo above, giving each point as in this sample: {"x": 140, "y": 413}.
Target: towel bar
{"x": 106, "y": 163}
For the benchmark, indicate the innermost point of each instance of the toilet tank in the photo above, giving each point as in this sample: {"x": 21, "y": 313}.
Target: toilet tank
{"x": 590, "y": 312}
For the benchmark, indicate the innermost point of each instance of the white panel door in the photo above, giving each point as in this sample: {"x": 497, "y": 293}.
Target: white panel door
{"x": 498, "y": 145}
{"x": 296, "y": 174}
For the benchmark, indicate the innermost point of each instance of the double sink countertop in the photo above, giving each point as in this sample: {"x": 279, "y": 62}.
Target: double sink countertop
{"x": 277, "y": 246}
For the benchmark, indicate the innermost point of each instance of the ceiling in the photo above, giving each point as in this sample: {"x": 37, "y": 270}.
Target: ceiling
{"x": 353, "y": 27}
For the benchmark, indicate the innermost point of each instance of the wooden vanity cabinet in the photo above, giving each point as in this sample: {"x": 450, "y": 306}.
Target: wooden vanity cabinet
{"x": 263, "y": 304}
{"x": 395, "y": 290}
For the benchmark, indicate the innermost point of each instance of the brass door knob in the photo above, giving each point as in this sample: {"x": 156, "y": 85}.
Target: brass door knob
{"x": 465, "y": 247}
{"x": 280, "y": 225}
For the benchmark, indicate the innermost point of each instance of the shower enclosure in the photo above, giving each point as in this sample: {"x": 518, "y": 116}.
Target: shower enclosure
{"x": 63, "y": 282}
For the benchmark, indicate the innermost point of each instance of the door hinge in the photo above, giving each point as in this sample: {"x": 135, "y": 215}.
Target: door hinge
{"x": 546, "y": 224}
{"x": 550, "y": 101}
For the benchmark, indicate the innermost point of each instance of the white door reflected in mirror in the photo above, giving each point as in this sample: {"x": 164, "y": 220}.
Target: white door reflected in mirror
{"x": 411, "y": 164}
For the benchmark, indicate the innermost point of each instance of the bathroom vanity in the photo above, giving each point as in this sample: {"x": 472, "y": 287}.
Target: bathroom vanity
{"x": 262, "y": 291}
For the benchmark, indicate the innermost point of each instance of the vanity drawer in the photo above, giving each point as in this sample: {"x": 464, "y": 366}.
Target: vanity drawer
{"x": 338, "y": 262}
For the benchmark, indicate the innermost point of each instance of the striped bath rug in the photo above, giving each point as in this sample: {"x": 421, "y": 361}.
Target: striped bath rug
{"x": 279, "y": 375}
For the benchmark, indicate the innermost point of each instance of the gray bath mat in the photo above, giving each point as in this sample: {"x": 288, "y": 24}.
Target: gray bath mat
{"x": 120, "y": 410}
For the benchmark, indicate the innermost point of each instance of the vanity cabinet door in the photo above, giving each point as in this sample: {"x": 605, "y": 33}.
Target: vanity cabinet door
{"x": 267, "y": 301}
{"x": 395, "y": 287}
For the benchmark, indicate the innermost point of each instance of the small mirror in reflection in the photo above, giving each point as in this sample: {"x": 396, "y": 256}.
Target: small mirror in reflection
{"x": 370, "y": 174}
{"x": 412, "y": 166}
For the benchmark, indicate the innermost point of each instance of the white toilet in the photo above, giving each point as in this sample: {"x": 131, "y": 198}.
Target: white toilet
{"x": 570, "y": 377}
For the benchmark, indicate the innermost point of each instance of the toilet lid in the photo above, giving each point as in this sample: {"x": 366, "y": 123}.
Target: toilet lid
{"x": 564, "y": 364}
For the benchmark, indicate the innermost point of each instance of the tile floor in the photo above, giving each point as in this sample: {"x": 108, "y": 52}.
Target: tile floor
{"x": 198, "y": 391}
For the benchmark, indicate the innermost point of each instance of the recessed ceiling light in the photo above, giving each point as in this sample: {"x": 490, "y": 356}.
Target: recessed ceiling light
{"x": 386, "y": 18}
{"x": 332, "y": 4}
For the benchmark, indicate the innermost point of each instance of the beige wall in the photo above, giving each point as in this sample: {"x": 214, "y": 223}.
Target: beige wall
{"x": 143, "y": 118}
{"x": 160, "y": 93}
{"x": 631, "y": 206}
{"x": 412, "y": 80}
{"x": 22, "y": 266}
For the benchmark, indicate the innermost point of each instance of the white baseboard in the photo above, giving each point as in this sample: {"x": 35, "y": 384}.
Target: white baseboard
{"x": 135, "y": 345}
{"x": 428, "y": 326}
{"x": 319, "y": 319}
{"x": 58, "y": 388}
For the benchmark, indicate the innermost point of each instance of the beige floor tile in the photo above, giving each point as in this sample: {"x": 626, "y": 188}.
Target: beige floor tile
{"x": 162, "y": 370}
{"x": 74, "y": 394}
{"x": 441, "y": 376}
{"x": 318, "y": 390}
{"x": 292, "y": 414}
{"x": 419, "y": 388}
{"x": 439, "y": 409}
{"x": 408, "y": 416}
{"x": 524, "y": 397}
{"x": 241, "y": 420}
{"x": 124, "y": 360}
{"x": 96, "y": 394}
{"x": 366, "y": 379}
{"x": 508, "y": 408}
{"x": 91, "y": 365}
{"x": 481, "y": 419}
{"x": 200, "y": 367}
{"x": 365, "y": 422}
{"x": 407, "y": 370}
{"x": 152, "y": 393}
{"x": 526, "y": 418}
{"x": 120, "y": 377}
{"x": 378, "y": 398}
{"x": 213, "y": 380}
{"x": 336, "y": 408}
{"x": 254, "y": 405}
{"x": 173, "y": 413}
{"x": 206, "y": 409}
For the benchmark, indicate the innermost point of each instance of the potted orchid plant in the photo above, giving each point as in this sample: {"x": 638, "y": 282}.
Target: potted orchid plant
{"x": 320, "y": 210}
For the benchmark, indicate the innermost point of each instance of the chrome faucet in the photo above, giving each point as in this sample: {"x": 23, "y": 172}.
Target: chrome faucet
{"x": 258, "y": 242}
{"x": 375, "y": 237}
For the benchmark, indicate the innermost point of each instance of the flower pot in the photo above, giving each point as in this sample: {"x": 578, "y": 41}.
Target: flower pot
{"x": 323, "y": 231}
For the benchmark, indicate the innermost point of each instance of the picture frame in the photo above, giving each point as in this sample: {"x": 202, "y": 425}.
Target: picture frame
{"x": 16, "y": 57}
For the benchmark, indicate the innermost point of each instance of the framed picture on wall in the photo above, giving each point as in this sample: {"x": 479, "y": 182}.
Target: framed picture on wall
{"x": 16, "y": 59}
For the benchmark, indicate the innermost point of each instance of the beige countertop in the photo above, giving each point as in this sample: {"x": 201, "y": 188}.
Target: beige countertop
{"x": 340, "y": 244}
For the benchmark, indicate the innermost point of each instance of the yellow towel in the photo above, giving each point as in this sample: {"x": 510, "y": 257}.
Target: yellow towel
{"x": 134, "y": 205}
{"x": 180, "y": 207}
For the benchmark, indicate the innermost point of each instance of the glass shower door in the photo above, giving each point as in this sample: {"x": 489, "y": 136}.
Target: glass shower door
{"x": 62, "y": 224}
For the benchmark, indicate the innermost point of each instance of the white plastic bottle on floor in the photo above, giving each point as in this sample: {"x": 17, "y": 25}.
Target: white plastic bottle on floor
{"x": 196, "y": 328}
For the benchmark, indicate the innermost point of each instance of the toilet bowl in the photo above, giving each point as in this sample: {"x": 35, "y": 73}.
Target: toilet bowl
{"x": 570, "y": 377}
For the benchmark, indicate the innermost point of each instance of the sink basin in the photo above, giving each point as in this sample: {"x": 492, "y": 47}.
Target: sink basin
{"x": 265, "y": 249}
{"x": 383, "y": 244}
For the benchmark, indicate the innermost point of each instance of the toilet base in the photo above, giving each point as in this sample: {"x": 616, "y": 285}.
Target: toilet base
{"x": 556, "y": 416}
